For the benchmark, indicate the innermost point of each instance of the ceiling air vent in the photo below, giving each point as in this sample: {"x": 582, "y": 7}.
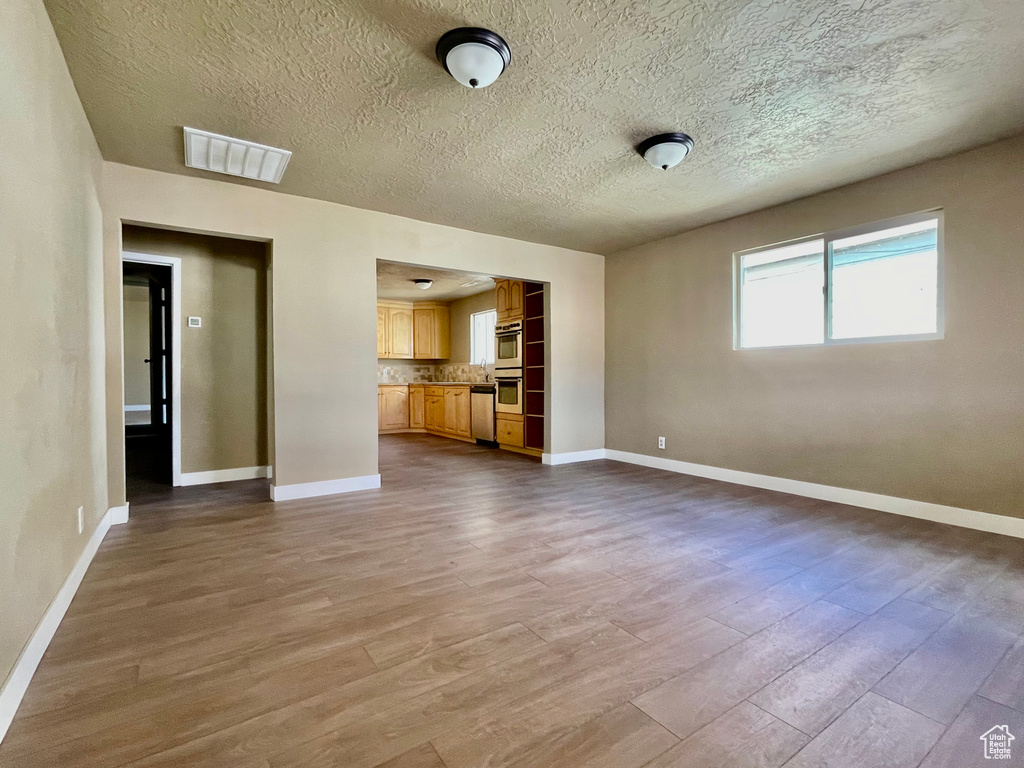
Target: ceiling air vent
{"x": 223, "y": 154}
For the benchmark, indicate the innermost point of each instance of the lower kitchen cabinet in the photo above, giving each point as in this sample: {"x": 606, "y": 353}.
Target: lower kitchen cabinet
{"x": 509, "y": 430}
{"x": 417, "y": 406}
{"x": 457, "y": 419}
{"x": 392, "y": 407}
{"x": 434, "y": 410}
{"x": 440, "y": 410}
{"x": 434, "y": 421}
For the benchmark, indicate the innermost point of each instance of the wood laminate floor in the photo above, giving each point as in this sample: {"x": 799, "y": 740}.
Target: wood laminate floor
{"x": 485, "y": 610}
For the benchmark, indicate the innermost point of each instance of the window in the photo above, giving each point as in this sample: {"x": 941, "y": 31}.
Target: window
{"x": 481, "y": 336}
{"x": 880, "y": 282}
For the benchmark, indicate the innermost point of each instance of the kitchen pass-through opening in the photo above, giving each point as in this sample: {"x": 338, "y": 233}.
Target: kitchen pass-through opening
{"x": 462, "y": 356}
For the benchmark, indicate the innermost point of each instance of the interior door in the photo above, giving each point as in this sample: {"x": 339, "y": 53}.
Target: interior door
{"x": 160, "y": 351}
{"x": 149, "y": 445}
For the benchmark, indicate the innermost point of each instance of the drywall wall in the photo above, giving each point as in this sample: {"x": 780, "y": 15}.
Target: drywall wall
{"x": 136, "y": 345}
{"x": 461, "y": 310}
{"x": 323, "y": 302}
{"x": 53, "y": 449}
{"x": 938, "y": 421}
{"x": 224, "y": 362}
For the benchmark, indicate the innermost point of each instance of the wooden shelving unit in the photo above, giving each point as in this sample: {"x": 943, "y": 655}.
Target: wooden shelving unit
{"x": 534, "y": 344}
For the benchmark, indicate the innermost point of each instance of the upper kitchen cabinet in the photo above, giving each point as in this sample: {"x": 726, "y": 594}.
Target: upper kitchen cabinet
{"x": 382, "y": 331}
{"x": 408, "y": 331}
{"x": 432, "y": 338}
{"x": 395, "y": 328}
{"x": 509, "y": 299}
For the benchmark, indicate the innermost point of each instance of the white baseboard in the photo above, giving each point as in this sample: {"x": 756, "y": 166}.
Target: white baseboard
{"x": 557, "y": 459}
{"x": 324, "y": 488}
{"x": 118, "y": 515}
{"x": 137, "y": 408}
{"x": 17, "y": 682}
{"x": 938, "y": 513}
{"x": 223, "y": 475}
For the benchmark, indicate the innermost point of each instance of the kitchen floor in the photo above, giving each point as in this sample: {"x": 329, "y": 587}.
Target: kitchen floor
{"x": 482, "y": 609}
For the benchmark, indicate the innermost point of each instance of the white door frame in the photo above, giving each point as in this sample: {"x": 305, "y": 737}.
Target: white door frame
{"x": 174, "y": 332}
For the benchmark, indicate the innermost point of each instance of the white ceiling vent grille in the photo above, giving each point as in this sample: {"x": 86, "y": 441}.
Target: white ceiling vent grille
{"x": 223, "y": 154}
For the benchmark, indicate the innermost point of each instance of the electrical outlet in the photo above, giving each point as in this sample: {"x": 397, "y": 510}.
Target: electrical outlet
{"x": 81, "y": 519}
{"x": 661, "y": 443}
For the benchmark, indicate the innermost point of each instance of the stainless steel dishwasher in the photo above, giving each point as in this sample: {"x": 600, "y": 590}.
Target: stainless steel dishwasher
{"x": 481, "y": 403}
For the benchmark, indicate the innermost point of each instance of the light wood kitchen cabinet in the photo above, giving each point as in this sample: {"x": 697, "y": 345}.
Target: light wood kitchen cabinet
{"x": 413, "y": 331}
{"x": 501, "y": 299}
{"x": 449, "y": 411}
{"x": 434, "y": 409}
{"x": 509, "y": 430}
{"x": 509, "y": 299}
{"x": 400, "y": 332}
{"x": 457, "y": 419}
{"x": 417, "y": 406}
{"x": 515, "y": 299}
{"x": 432, "y": 336}
{"x": 395, "y": 328}
{"x": 382, "y": 331}
{"x": 463, "y": 418}
{"x": 392, "y": 407}
{"x": 443, "y": 410}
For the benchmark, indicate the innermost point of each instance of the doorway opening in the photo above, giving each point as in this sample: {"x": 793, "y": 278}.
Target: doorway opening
{"x": 148, "y": 294}
{"x": 197, "y": 362}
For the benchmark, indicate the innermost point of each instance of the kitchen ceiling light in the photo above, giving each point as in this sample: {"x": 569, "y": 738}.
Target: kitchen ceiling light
{"x": 666, "y": 150}
{"x": 235, "y": 157}
{"x": 422, "y": 283}
{"x": 473, "y": 56}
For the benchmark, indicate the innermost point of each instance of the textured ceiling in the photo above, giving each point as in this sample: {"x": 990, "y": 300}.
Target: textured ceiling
{"x": 394, "y": 282}
{"x": 784, "y": 98}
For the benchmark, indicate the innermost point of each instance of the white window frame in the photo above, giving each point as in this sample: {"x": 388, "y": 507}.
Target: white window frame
{"x": 472, "y": 333}
{"x": 828, "y": 238}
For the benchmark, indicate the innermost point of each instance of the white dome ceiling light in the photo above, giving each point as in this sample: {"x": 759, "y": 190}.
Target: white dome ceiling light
{"x": 666, "y": 150}
{"x": 475, "y": 57}
{"x": 422, "y": 283}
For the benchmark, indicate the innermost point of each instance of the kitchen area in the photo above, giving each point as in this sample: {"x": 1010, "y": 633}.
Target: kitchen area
{"x": 461, "y": 356}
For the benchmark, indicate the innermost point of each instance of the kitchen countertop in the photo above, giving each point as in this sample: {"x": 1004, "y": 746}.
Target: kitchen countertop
{"x": 439, "y": 384}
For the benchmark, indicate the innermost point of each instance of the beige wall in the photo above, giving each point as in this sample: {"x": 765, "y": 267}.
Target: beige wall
{"x": 223, "y": 363}
{"x": 323, "y": 302}
{"x": 461, "y": 310}
{"x": 136, "y": 345}
{"x": 53, "y": 444}
{"x": 937, "y": 421}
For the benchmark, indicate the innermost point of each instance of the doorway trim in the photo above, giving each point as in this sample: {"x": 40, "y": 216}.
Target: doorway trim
{"x": 174, "y": 263}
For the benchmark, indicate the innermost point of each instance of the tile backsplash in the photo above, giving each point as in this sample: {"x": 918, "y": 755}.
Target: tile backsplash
{"x": 414, "y": 372}
{"x": 464, "y": 372}
{"x": 395, "y": 372}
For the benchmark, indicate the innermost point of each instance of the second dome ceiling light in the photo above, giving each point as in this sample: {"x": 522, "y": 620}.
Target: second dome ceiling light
{"x": 476, "y": 57}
